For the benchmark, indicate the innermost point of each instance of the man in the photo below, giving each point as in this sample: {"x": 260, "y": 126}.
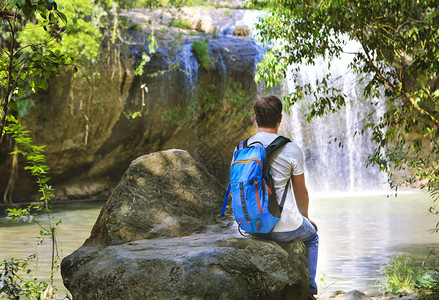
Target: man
{"x": 286, "y": 165}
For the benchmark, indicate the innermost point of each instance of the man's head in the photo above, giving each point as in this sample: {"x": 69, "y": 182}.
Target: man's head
{"x": 268, "y": 111}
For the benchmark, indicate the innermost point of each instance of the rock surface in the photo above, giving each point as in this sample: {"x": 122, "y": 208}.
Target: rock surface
{"x": 212, "y": 265}
{"x": 354, "y": 295}
{"x": 163, "y": 194}
{"x": 157, "y": 238}
{"x": 89, "y": 130}
{"x": 358, "y": 295}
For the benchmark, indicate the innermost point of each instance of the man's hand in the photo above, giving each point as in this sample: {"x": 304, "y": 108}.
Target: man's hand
{"x": 313, "y": 224}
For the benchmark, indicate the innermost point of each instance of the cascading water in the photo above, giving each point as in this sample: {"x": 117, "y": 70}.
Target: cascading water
{"x": 334, "y": 158}
{"x": 189, "y": 64}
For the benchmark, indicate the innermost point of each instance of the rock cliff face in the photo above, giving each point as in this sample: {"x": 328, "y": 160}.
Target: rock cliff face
{"x": 157, "y": 238}
{"x": 90, "y": 130}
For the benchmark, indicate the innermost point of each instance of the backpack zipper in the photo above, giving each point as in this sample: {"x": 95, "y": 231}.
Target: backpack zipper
{"x": 268, "y": 189}
{"x": 257, "y": 196}
{"x": 246, "y": 161}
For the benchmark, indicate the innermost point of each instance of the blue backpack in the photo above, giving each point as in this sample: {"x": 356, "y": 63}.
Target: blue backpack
{"x": 254, "y": 201}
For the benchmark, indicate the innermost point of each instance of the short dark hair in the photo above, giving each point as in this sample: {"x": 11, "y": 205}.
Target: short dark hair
{"x": 267, "y": 111}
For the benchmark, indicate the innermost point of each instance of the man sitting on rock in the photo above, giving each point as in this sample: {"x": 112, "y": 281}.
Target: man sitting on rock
{"x": 286, "y": 165}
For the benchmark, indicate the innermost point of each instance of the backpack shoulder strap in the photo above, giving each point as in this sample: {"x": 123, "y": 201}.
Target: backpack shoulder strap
{"x": 278, "y": 142}
{"x": 242, "y": 144}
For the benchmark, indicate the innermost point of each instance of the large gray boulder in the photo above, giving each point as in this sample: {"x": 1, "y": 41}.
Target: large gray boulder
{"x": 157, "y": 237}
{"x": 163, "y": 194}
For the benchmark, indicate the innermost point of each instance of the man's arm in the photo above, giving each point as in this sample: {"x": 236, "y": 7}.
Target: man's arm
{"x": 301, "y": 195}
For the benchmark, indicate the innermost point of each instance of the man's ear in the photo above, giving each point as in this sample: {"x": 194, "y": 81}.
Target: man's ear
{"x": 280, "y": 119}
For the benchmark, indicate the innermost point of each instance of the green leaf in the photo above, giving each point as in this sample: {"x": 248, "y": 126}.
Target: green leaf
{"x": 61, "y": 16}
{"x": 12, "y": 3}
{"x": 20, "y": 92}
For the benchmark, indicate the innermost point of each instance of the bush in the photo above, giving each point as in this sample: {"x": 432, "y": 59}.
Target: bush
{"x": 181, "y": 23}
{"x": 201, "y": 51}
{"x": 403, "y": 274}
{"x": 399, "y": 273}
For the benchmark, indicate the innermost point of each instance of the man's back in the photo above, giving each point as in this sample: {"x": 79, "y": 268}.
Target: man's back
{"x": 284, "y": 162}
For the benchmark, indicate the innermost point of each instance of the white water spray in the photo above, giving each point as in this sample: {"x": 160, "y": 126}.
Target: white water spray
{"x": 335, "y": 160}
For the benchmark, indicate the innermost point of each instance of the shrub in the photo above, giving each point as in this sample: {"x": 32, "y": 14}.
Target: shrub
{"x": 404, "y": 274}
{"x": 399, "y": 273}
{"x": 182, "y": 24}
{"x": 201, "y": 51}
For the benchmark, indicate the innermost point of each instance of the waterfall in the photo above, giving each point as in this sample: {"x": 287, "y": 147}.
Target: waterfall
{"x": 334, "y": 158}
{"x": 189, "y": 65}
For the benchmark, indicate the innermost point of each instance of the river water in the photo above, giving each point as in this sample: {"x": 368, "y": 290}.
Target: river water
{"x": 358, "y": 235}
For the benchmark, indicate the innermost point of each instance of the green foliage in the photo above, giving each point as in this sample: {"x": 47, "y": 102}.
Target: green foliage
{"x": 206, "y": 100}
{"x": 180, "y": 23}
{"x": 399, "y": 274}
{"x": 11, "y": 281}
{"x": 404, "y": 274}
{"x": 203, "y": 104}
{"x": 145, "y": 59}
{"x": 135, "y": 26}
{"x": 83, "y": 37}
{"x": 201, "y": 51}
{"x": 427, "y": 282}
{"x": 34, "y": 155}
{"x": 240, "y": 101}
{"x": 152, "y": 47}
{"x": 175, "y": 115}
{"x": 399, "y": 58}
{"x": 127, "y": 4}
{"x": 237, "y": 96}
{"x": 27, "y": 61}
{"x": 13, "y": 284}
{"x": 33, "y": 47}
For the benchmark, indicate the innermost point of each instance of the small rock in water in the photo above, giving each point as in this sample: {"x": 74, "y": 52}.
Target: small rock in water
{"x": 353, "y": 295}
{"x": 241, "y": 31}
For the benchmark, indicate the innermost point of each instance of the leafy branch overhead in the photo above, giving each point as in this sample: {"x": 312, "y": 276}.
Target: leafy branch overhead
{"x": 33, "y": 50}
{"x": 397, "y": 57}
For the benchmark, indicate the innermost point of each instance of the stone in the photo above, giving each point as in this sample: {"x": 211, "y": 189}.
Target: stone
{"x": 241, "y": 31}
{"x": 163, "y": 194}
{"x": 159, "y": 237}
{"x": 354, "y": 295}
{"x": 210, "y": 265}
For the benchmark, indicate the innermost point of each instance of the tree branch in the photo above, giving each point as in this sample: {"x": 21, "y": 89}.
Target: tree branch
{"x": 398, "y": 87}
{"x": 420, "y": 109}
{"x": 9, "y": 84}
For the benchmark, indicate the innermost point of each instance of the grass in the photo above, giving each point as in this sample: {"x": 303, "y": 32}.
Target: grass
{"x": 403, "y": 274}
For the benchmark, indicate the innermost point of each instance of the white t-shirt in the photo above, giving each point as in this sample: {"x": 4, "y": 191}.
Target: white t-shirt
{"x": 284, "y": 162}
